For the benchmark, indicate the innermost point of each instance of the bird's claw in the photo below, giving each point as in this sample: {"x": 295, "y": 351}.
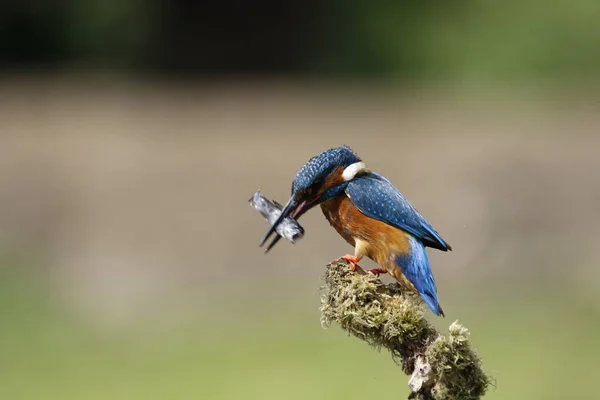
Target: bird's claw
{"x": 377, "y": 271}
{"x": 352, "y": 260}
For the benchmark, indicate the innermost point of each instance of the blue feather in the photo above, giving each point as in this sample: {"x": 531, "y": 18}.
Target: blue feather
{"x": 415, "y": 266}
{"x": 377, "y": 198}
{"x": 320, "y": 166}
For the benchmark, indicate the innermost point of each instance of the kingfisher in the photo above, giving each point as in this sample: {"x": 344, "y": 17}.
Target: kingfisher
{"x": 371, "y": 214}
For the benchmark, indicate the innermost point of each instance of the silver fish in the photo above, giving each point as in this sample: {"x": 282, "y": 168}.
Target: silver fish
{"x": 289, "y": 228}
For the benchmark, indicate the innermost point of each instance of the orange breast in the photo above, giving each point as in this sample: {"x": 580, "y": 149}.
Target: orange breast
{"x": 385, "y": 242}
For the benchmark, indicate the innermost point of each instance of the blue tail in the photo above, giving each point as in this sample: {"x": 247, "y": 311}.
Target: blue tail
{"x": 415, "y": 266}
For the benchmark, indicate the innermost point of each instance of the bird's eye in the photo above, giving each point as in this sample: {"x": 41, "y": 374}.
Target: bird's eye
{"x": 314, "y": 188}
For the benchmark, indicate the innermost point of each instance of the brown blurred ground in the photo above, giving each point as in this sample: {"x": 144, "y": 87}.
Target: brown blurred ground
{"x": 137, "y": 194}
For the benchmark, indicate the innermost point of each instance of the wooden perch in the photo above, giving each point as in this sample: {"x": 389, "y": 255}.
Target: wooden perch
{"x": 441, "y": 367}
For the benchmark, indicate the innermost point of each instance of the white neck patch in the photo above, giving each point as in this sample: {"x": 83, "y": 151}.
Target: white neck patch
{"x": 353, "y": 169}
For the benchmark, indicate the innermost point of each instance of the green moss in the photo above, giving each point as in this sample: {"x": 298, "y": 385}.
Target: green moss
{"x": 390, "y": 317}
{"x": 457, "y": 366}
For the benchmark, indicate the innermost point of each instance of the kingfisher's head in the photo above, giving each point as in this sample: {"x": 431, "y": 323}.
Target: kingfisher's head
{"x": 322, "y": 178}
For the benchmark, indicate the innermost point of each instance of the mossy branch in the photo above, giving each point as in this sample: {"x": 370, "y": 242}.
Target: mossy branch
{"x": 442, "y": 367}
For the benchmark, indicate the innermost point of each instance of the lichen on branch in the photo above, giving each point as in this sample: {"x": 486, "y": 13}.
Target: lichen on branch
{"x": 442, "y": 367}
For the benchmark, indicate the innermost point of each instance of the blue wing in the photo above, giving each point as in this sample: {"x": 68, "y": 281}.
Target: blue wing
{"x": 377, "y": 198}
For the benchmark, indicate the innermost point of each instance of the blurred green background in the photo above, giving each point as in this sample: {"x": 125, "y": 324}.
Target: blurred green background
{"x": 133, "y": 133}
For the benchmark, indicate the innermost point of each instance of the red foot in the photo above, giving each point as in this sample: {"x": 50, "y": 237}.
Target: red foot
{"x": 377, "y": 271}
{"x": 351, "y": 259}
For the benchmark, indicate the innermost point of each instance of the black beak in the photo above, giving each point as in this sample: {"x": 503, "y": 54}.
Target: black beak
{"x": 293, "y": 208}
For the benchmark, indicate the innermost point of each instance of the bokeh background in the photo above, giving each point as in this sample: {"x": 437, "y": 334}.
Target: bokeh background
{"x": 133, "y": 133}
